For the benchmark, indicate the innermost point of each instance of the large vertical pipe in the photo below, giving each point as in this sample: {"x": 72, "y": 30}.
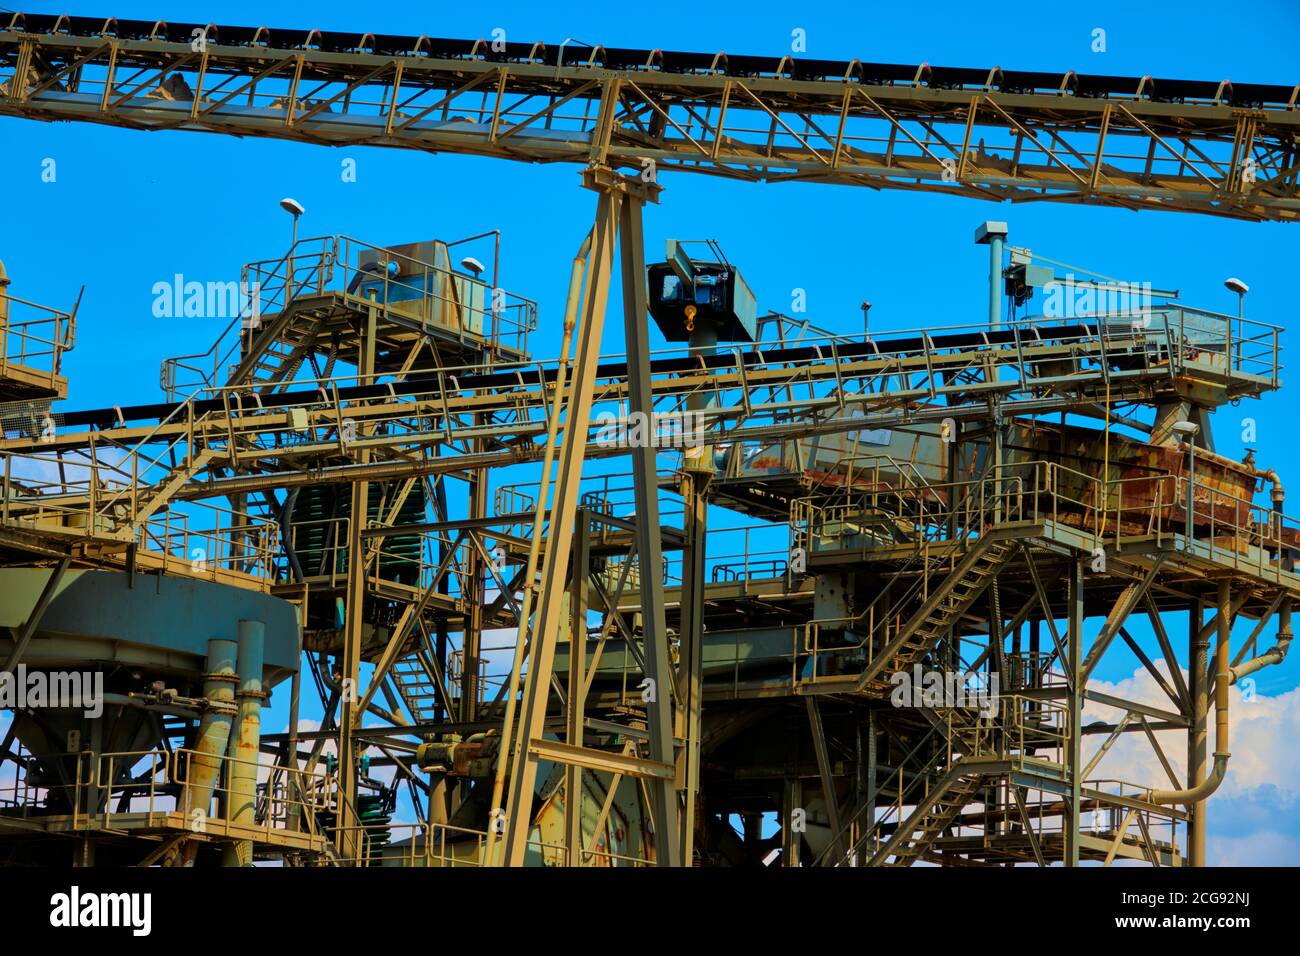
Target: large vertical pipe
{"x": 213, "y": 737}
{"x": 995, "y": 283}
{"x": 1203, "y": 784}
{"x": 993, "y": 235}
{"x": 1078, "y": 687}
{"x": 1222, "y": 677}
{"x": 242, "y": 805}
{"x": 1198, "y": 653}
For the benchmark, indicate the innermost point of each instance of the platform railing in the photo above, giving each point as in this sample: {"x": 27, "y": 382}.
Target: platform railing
{"x": 434, "y": 296}
{"x": 444, "y": 845}
{"x": 23, "y": 793}
{"x": 945, "y": 518}
{"x": 326, "y": 557}
{"x": 34, "y": 336}
{"x": 157, "y": 784}
{"x": 1111, "y": 512}
{"x": 411, "y": 845}
{"x": 1153, "y": 829}
{"x": 1109, "y": 515}
{"x": 88, "y": 499}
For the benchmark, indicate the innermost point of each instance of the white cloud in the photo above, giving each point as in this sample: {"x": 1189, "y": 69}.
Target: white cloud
{"x": 1251, "y": 819}
{"x": 1260, "y": 735}
{"x": 1262, "y": 848}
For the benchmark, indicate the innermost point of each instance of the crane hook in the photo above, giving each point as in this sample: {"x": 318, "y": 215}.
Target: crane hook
{"x": 690, "y": 318}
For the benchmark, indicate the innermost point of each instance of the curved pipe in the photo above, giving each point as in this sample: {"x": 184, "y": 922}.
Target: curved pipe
{"x": 1274, "y": 655}
{"x": 1199, "y": 792}
{"x": 328, "y": 679}
{"x": 1211, "y": 783}
{"x": 1278, "y": 493}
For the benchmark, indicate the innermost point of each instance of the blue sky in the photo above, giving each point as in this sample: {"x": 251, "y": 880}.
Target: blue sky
{"x": 129, "y": 209}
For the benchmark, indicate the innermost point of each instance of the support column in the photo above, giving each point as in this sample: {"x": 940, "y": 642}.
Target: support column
{"x": 350, "y": 714}
{"x": 558, "y": 546}
{"x": 873, "y": 759}
{"x": 574, "y": 718}
{"x": 791, "y": 800}
{"x": 619, "y": 207}
{"x": 1198, "y": 734}
{"x": 649, "y": 551}
{"x": 472, "y": 642}
{"x": 697, "y": 464}
{"x": 1078, "y": 683}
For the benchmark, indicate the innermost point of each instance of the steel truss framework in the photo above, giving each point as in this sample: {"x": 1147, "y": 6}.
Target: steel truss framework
{"x": 701, "y": 726}
{"x": 1137, "y": 143}
{"x": 964, "y": 551}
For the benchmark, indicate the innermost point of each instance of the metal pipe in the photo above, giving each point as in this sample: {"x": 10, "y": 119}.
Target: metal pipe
{"x": 1211, "y": 783}
{"x": 1104, "y": 414}
{"x": 241, "y": 808}
{"x": 995, "y": 279}
{"x": 386, "y": 715}
{"x": 213, "y": 736}
{"x": 1274, "y": 655}
{"x": 154, "y": 704}
{"x": 1277, "y": 493}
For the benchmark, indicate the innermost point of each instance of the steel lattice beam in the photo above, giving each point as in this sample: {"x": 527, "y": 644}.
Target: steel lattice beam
{"x": 1139, "y": 143}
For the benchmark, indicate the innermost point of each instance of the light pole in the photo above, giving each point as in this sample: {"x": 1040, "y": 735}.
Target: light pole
{"x": 1187, "y": 431}
{"x": 476, "y": 268}
{"x": 295, "y": 209}
{"x": 1233, "y": 284}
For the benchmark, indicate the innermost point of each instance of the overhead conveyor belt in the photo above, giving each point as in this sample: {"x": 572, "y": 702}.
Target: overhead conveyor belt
{"x": 1145, "y": 142}
{"x": 528, "y": 374}
{"x": 760, "y": 394}
{"x": 1254, "y": 95}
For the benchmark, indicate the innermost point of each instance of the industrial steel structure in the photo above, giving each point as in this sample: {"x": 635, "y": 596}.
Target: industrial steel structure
{"x": 368, "y": 481}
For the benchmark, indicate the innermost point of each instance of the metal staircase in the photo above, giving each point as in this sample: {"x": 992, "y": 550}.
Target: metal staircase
{"x": 417, "y": 685}
{"x": 940, "y": 611}
{"x": 940, "y": 608}
{"x": 274, "y": 364}
{"x": 915, "y": 836}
